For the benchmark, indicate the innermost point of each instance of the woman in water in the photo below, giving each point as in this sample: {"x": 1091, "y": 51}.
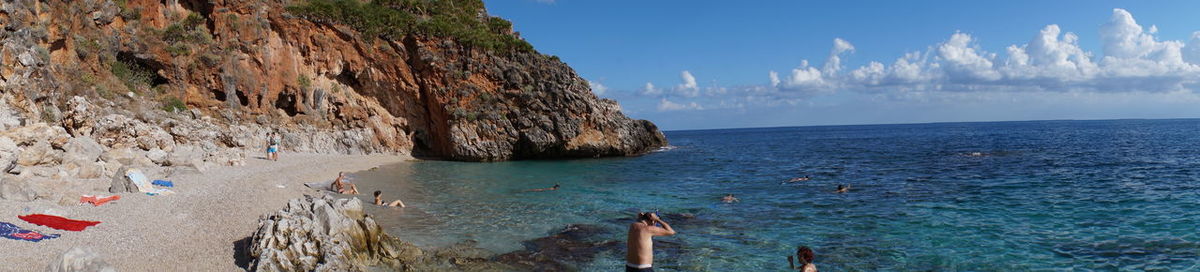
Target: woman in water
{"x": 805, "y": 256}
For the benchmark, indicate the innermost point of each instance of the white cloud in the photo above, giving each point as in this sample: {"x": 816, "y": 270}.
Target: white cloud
{"x": 650, "y": 90}
{"x": 597, "y": 88}
{"x": 667, "y": 105}
{"x": 1133, "y": 60}
{"x": 688, "y": 88}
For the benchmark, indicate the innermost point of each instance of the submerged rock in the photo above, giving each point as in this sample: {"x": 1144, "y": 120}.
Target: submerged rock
{"x": 573, "y": 245}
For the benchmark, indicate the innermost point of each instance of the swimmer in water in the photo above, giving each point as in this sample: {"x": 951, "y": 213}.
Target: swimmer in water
{"x": 552, "y": 188}
{"x": 804, "y": 178}
{"x": 729, "y": 199}
{"x": 842, "y": 188}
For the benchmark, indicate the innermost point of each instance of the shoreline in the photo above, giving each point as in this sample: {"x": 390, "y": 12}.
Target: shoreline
{"x": 200, "y": 227}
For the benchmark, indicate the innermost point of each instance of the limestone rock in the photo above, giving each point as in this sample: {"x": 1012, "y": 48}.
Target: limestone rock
{"x": 156, "y": 155}
{"x": 15, "y": 188}
{"x": 79, "y": 118}
{"x": 325, "y": 234}
{"x": 79, "y": 260}
{"x": 122, "y": 184}
{"x": 82, "y": 149}
{"x": 40, "y": 153}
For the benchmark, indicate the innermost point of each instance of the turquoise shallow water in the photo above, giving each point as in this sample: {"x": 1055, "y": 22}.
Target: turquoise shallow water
{"x": 1088, "y": 195}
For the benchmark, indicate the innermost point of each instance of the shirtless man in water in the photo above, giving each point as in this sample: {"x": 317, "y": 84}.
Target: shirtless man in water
{"x": 640, "y": 253}
{"x": 339, "y": 185}
{"x": 729, "y": 199}
{"x": 842, "y": 188}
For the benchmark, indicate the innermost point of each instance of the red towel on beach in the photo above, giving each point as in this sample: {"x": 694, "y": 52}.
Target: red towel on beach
{"x": 56, "y": 222}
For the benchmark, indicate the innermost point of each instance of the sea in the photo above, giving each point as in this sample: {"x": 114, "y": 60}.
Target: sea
{"x": 1109, "y": 195}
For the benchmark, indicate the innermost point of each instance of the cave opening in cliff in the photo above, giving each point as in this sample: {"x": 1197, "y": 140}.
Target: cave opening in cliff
{"x": 347, "y": 78}
{"x": 219, "y": 95}
{"x": 143, "y": 64}
{"x": 242, "y": 98}
{"x": 287, "y": 103}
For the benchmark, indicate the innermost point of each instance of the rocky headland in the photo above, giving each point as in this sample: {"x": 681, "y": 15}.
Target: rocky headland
{"x": 88, "y": 87}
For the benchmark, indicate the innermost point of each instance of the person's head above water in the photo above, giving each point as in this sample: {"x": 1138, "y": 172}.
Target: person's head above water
{"x": 644, "y": 216}
{"x": 378, "y": 193}
{"x": 841, "y": 187}
{"x": 805, "y": 254}
{"x": 555, "y": 186}
{"x": 729, "y": 195}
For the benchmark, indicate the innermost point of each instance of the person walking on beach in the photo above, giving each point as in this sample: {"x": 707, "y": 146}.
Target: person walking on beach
{"x": 273, "y": 146}
{"x": 339, "y": 185}
{"x": 639, "y": 256}
{"x": 379, "y": 201}
{"x": 805, "y": 256}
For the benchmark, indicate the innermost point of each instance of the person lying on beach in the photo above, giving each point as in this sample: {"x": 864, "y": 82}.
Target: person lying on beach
{"x": 842, "y": 188}
{"x": 729, "y": 199}
{"x": 339, "y": 185}
{"x": 804, "y": 178}
{"x": 805, "y": 256}
{"x": 379, "y": 201}
{"x": 552, "y": 188}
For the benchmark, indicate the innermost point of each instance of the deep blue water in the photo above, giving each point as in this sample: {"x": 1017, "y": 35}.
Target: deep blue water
{"x": 1004, "y": 196}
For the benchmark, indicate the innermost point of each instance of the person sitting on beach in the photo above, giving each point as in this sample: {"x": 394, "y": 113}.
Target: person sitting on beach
{"x": 379, "y": 201}
{"x": 639, "y": 256}
{"x": 842, "y": 188}
{"x": 552, "y": 188}
{"x": 339, "y": 185}
{"x": 805, "y": 256}
{"x": 729, "y": 199}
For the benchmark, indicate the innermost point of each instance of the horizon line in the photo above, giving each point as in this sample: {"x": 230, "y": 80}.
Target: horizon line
{"x": 927, "y": 123}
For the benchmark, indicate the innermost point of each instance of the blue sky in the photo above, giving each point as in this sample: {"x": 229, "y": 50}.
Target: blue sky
{"x": 710, "y": 63}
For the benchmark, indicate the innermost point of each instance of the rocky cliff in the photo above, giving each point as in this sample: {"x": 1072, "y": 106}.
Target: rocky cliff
{"x": 209, "y": 75}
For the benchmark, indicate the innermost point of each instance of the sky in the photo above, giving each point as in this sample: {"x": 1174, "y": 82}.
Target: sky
{"x": 732, "y": 64}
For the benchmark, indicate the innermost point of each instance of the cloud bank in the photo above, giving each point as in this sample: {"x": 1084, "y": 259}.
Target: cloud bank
{"x": 1132, "y": 59}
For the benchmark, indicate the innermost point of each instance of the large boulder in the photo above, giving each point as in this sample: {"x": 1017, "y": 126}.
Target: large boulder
{"x": 122, "y": 184}
{"x": 79, "y": 260}
{"x": 16, "y": 188}
{"x": 8, "y": 153}
{"x": 326, "y": 234}
{"x": 83, "y": 149}
{"x": 79, "y": 119}
{"x": 40, "y": 153}
{"x": 187, "y": 156}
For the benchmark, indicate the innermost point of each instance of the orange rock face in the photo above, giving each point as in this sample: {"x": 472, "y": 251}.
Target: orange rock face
{"x": 251, "y": 61}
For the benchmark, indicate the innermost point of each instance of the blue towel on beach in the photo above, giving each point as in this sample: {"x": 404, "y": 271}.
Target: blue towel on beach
{"x": 163, "y": 183}
{"x": 11, "y": 231}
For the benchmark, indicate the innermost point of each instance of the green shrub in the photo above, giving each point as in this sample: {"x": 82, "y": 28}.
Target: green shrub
{"x": 132, "y": 75}
{"x": 393, "y": 19}
{"x": 126, "y": 12}
{"x": 179, "y": 49}
{"x": 173, "y": 104}
{"x": 304, "y": 82}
